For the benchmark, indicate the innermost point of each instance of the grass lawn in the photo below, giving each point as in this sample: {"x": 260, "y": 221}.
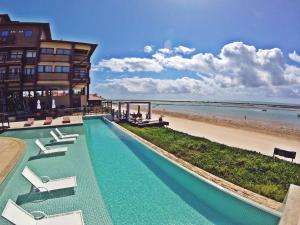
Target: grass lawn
{"x": 256, "y": 172}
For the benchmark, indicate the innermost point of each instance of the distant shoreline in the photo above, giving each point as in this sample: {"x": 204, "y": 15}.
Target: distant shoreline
{"x": 249, "y": 125}
{"x": 237, "y": 104}
{"x": 271, "y": 128}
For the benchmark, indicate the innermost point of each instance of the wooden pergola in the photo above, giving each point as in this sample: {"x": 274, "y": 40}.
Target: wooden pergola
{"x": 133, "y": 103}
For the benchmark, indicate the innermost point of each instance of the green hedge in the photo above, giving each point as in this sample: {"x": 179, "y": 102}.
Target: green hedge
{"x": 262, "y": 174}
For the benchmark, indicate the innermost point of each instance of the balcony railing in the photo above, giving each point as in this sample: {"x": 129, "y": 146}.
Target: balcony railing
{"x": 14, "y": 59}
{"x": 53, "y": 76}
{"x": 54, "y": 58}
{"x": 80, "y": 76}
{"x": 29, "y": 77}
{"x": 12, "y": 77}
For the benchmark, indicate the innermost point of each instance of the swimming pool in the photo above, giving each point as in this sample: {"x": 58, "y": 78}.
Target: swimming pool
{"x": 76, "y": 162}
{"x": 140, "y": 186}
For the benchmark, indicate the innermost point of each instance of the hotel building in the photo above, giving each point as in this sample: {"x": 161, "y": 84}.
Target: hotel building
{"x": 34, "y": 67}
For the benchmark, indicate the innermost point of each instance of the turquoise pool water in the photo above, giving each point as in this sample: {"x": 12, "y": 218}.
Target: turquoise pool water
{"x": 141, "y": 187}
{"x": 76, "y": 162}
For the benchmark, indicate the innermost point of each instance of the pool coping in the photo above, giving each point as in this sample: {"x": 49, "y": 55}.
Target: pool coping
{"x": 254, "y": 199}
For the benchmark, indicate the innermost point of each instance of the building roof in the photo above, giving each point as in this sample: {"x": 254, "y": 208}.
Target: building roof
{"x": 93, "y": 46}
{"x": 95, "y": 97}
{"x": 8, "y": 21}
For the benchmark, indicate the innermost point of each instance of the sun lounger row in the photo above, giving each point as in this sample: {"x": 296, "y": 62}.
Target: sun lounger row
{"x": 48, "y": 121}
{"x": 18, "y": 216}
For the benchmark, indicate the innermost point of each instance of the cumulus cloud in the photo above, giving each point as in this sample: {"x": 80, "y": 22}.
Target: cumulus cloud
{"x": 148, "y": 49}
{"x": 184, "y": 50}
{"x": 147, "y": 85}
{"x": 165, "y": 51}
{"x": 237, "y": 65}
{"x": 129, "y": 64}
{"x": 294, "y": 56}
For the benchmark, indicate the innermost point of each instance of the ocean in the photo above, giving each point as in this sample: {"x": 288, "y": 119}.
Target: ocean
{"x": 267, "y": 113}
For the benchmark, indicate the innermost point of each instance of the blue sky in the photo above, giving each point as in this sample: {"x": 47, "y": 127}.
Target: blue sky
{"x": 211, "y": 48}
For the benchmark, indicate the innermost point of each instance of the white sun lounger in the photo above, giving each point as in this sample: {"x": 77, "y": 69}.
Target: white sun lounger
{"x": 18, "y": 216}
{"x": 47, "y": 150}
{"x": 60, "y": 140}
{"x": 62, "y": 135}
{"x": 48, "y": 185}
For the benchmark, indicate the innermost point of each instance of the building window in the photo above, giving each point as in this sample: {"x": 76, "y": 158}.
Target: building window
{"x": 15, "y": 70}
{"x": 47, "y": 51}
{"x": 27, "y": 33}
{"x": 30, "y": 54}
{"x": 2, "y": 57}
{"x": 63, "y": 51}
{"x": 2, "y": 70}
{"x": 16, "y": 55}
{"x": 62, "y": 69}
{"x": 81, "y": 52}
{"x": 29, "y": 71}
{"x": 4, "y": 33}
{"x": 44, "y": 69}
{"x": 79, "y": 73}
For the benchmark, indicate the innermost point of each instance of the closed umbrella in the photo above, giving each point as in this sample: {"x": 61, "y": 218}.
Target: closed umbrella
{"x": 53, "y": 104}
{"x": 38, "y": 105}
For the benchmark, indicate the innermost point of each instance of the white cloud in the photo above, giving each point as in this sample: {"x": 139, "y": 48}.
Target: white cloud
{"x": 129, "y": 64}
{"x": 165, "y": 51}
{"x": 240, "y": 63}
{"x": 153, "y": 86}
{"x": 295, "y": 57}
{"x": 184, "y": 50}
{"x": 148, "y": 49}
{"x": 238, "y": 66}
{"x": 186, "y": 86}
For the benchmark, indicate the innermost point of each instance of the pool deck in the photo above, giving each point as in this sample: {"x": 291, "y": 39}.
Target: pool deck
{"x": 40, "y": 123}
{"x": 11, "y": 150}
{"x": 291, "y": 209}
{"x": 244, "y": 193}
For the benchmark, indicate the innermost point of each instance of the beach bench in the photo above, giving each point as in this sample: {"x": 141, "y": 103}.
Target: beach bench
{"x": 29, "y": 122}
{"x": 66, "y": 119}
{"x": 48, "y": 120}
{"x": 284, "y": 153}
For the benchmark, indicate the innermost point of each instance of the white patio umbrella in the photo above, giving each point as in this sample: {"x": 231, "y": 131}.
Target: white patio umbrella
{"x": 38, "y": 105}
{"x": 53, "y": 104}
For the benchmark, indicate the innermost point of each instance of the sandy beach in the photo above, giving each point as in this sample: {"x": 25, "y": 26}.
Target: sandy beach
{"x": 248, "y": 135}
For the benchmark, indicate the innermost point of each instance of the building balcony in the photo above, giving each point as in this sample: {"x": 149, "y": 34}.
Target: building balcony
{"x": 10, "y": 59}
{"x": 29, "y": 78}
{"x": 54, "y": 58}
{"x": 12, "y": 77}
{"x": 30, "y": 60}
{"x": 53, "y": 76}
{"x": 81, "y": 59}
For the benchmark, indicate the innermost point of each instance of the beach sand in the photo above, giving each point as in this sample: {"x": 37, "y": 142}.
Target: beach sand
{"x": 248, "y": 135}
{"x": 260, "y": 139}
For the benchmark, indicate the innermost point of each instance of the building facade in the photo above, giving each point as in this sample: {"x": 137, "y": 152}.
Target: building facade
{"x": 35, "y": 67}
